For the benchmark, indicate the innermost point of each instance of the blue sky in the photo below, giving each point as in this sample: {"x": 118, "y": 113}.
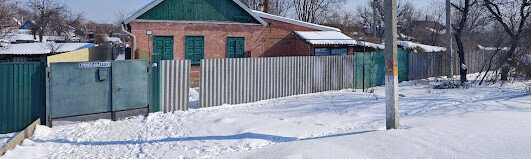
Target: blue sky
{"x": 105, "y": 11}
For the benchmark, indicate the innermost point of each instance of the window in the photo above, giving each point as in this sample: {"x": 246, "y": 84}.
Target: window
{"x": 339, "y": 51}
{"x": 330, "y": 51}
{"x": 322, "y": 51}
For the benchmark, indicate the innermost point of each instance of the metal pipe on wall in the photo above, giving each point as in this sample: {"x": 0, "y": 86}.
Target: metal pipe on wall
{"x": 133, "y": 49}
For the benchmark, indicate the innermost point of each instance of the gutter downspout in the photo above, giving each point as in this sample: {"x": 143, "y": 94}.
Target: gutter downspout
{"x": 134, "y": 41}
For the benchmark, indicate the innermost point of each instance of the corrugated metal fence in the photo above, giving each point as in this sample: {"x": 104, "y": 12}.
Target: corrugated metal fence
{"x": 22, "y": 95}
{"x": 175, "y": 84}
{"x": 477, "y": 61}
{"x": 424, "y": 65}
{"x": 244, "y": 80}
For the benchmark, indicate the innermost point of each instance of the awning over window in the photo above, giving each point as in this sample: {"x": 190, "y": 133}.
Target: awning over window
{"x": 325, "y": 38}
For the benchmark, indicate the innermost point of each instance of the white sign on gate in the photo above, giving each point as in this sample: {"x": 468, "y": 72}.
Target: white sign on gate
{"x": 94, "y": 64}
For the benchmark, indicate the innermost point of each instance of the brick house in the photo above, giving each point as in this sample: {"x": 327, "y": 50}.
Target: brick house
{"x": 197, "y": 29}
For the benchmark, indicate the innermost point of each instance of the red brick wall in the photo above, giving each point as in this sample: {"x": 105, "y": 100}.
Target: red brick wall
{"x": 215, "y": 36}
{"x": 280, "y": 40}
{"x": 276, "y": 39}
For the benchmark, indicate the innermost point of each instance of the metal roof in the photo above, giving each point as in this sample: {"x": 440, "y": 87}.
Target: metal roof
{"x": 326, "y": 38}
{"x": 296, "y": 22}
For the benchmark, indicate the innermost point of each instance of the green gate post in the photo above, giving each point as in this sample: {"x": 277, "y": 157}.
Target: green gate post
{"x": 155, "y": 83}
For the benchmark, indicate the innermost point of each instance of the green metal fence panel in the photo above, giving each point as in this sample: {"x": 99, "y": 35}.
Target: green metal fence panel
{"x": 155, "y": 83}
{"x": 403, "y": 65}
{"x": 377, "y": 69}
{"x": 130, "y": 85}
{"x": 370, "y": 68}
{"x": 359, "y": 69}
{"x": 22, "y": 95}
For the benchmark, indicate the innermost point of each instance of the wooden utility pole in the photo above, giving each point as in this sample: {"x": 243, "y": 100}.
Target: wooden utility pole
{"x": 391, "y": 66}
{"x": 449, "y": 56}
{"x": 266, "y": 6}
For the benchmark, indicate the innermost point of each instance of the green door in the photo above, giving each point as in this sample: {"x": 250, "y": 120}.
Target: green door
{"x": 195, "y": 49}
{"x": 235, "y": 47}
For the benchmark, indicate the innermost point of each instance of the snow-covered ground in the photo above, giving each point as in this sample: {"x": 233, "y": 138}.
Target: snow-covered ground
{"x": 4, "y": 138}
{"x": 480, "y": 122}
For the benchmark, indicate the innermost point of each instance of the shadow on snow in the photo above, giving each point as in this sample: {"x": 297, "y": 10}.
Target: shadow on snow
{"x": 272, "y": 138}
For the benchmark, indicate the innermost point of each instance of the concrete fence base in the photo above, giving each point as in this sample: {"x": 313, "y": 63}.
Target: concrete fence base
{"x": 17, "y": 140}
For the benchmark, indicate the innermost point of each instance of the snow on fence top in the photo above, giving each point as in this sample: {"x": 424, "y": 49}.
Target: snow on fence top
{"x": 371, "y": 45}
{"x": 43, "y": 48}
{"x": 408, "y": 45}
{"x": 326, "y": 38}
{"x": 492, "y": 48}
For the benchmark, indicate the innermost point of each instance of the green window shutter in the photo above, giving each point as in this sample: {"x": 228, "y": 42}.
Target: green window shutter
{"x": 195, "y": 49}
{"x": 163, "y": 46}
{"x": 235, "y": 47}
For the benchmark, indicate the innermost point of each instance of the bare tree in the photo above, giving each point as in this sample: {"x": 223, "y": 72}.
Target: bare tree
{"x": 7, "y": 13}
{"x": 44, "y": 12}
{"x": 434, "y": 33}
{"x": 463, "y": 9}
{"x": 513, "y": 16}
{"x": 311, "y": 10}
{"x": 253, "y": 4}
{"x": 276, "y": 7}
{"x": 63, "y": 23}
{"x": 405, "y": 11}
{"x": 500, "y": 40}
{"x": 279, "y": 7}
{"x": 53, "y": 46}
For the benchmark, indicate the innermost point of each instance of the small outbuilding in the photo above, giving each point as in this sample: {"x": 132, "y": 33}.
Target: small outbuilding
{"x": 325, "y": 43}
{"x": 37, "y": 52}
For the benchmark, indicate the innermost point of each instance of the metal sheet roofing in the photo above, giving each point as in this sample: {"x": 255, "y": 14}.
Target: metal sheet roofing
{"x": 326, "y": 38}
{"x": 296, "y": 22}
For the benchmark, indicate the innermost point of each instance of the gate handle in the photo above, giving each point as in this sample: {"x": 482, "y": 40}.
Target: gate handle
{"x": 117, "y": 90}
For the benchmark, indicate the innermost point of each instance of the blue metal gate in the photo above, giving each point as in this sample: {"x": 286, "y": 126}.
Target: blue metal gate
{"x": 85, "y": 88}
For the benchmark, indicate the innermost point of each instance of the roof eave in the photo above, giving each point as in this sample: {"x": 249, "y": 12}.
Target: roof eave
{"x": 142, "y": 11}
{"x": 297, "y": 22}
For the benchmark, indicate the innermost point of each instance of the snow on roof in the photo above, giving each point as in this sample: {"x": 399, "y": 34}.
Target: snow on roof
{"x": 326, "y": 38}
{"x": 42, "y": 48}
{"x": 371, "y": 45}
{"x": 20, "y": 37}
{"x": 296, "y": 22}
{"x": 114, "y": 39}
{"x": 54, "y": 38}
{"x": 426, "y": 48}
{"x": 154, "y": 3}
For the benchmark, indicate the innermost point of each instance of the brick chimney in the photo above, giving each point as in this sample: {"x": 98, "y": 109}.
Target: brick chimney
{"x": 266, "y": 6}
